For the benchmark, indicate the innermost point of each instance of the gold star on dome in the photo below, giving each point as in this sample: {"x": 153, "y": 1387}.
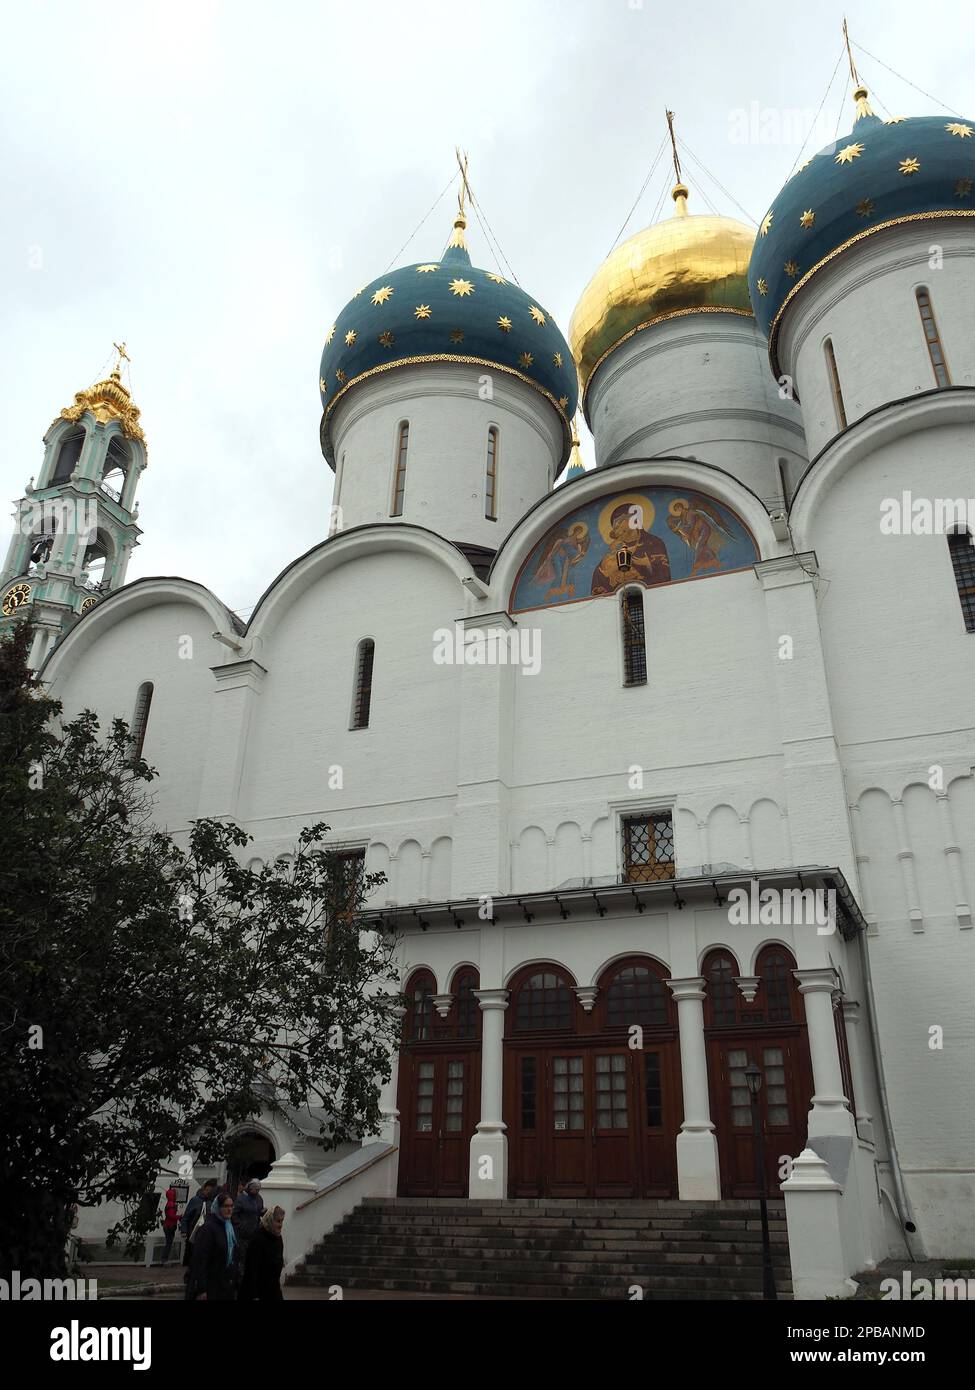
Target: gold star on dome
{"x": 350, "y": 337}
{"x": 963, "y": 188}
{"x": 383, "y": 294}
{"x": 426, "y": 269}
{"x": 457, "y": 336}
{"x": 504, "y": 323}
{"x": 422, "y": 311}
{"x": 804, "y": 165}
{"x": 557, "y": 359}
{"x": 358, "y": 291}
{"x": 461, "y": 287}
{"x": 865, "y": 207}
{"x": 498, "y": 279}
{"x": 766, "y": 223}
{"x": 958, "y": 128}
{"x": 762, "y": 285}
{"x": 537, "y": 315}
{"x": 340, "y": 377}
{"x": 330, "y": 335}
{"x": 386, "y": 339}
{"x": 895, "y": 120}
{"x": 322, "y": 385}
{"x": 807, "y": 218}
{"x": 791, "y": 269}
{"x": 909, "y": 166}
{"x": 563, "y": 401}
{"x": 849, "y": 153}
{"x": 526, "y": 359}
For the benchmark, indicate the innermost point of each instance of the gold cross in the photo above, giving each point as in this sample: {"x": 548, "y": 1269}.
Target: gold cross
{"x": 849, "y": 53}
{"x": 122, "y": 356}
{"x": 464, "y": 189}
{"x": 673, "y": 145}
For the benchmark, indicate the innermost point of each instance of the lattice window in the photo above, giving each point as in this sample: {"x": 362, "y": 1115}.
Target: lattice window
{"x": 491, "y": 481}
{"x": 346, "y": 868}
{"x": 568, "y": 1093}
{"x": 140, "y": 719}
{"x": 722, "y": 990}
{"x": 634, "y": 635}
{"x": 544, "y": 1002}
{"x": 420, "y": 1004}
{"x": 648, "y": 847}
{"x": 467, "y": 1011}
{"x": 362, "y": 695}
{"x": 933, "y": 338}
{"x": 962, "y": 553}
{"x": 636, "y": 995}
{"x": 776, "y": 976}
{"x": 399, "y": 479}
{"x": 612, "y": 1103}
{"x": 835, "y": 386}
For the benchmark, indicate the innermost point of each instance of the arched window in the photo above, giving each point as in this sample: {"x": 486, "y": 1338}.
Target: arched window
{"x": 117, "y": 462}
{"x": 362, "y": 694}
{"x": 419, "y": 1007}
{"x": 95, "y": 562}
{"x": 140, "y": 719}
{"x": 722, "y": 992}
{"x": 399, "y": 476}
{"x": 633, "y": 632}
{"x": 775, "y": 970}
{"x": 635, "y": 993}
{"x": 834, "y": 382}
{"x": 932, "y": 337}
{"x": 962, "y": 551}
{"x": 466, "y": 1012}
{"x": 68, "y": 455}
{"x": 491, "y": 480}
{"x": 543, "y": 1003}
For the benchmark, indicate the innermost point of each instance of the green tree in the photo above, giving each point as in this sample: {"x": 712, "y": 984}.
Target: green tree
{"x": 154, "y": 993}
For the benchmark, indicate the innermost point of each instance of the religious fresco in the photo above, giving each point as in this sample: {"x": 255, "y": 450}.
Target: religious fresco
{"x": 649, "y": 536}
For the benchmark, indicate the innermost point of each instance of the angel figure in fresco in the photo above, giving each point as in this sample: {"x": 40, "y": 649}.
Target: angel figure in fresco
{"x": 564, "y": 547}
{"x": 634, "y": 553}
{"x": 702, "y": 530}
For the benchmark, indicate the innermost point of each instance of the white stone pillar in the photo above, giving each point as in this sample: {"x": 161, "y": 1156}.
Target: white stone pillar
{"x": 852, "y": 1019}
{"x": 698, "y": 1172}
{"x": 238, "y": 687}
{"x": 963, "y": 912}
{"x": 905, "y": 857}
{"x": 489, "y": 1145}
{"x": 814, "y": 1215}
{"x": 829, "y": 1114}
{"x": 388, "y": 1132}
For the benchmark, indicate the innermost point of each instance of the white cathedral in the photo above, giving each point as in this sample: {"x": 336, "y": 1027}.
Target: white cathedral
{"x": 580, "y": 716}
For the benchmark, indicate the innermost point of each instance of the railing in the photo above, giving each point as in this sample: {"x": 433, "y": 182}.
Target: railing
{"x": 114, "y": 493}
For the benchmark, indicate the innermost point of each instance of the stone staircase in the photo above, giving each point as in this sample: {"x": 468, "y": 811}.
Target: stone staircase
{"x": 528, "y": 1248}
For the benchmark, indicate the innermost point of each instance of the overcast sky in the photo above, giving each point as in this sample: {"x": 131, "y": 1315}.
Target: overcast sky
{"x": 212, "y": 181}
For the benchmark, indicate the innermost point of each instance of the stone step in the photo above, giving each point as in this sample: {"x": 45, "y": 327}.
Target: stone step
{"x": 596, "y": 1205}
{"x": 670, "y": 1230}
{"x": 721, "y": 1283}
{"x": 439, "y": 1247}
{"x": 492, "y": 1261}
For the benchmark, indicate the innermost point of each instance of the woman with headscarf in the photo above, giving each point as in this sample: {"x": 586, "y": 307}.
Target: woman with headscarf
{"x": 265, "y": 1260}
{"x": 215, "y": 1265}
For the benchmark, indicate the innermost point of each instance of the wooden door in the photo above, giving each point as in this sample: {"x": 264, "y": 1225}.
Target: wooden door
{"x": 438, "y": 1110}
{"x": 783, "y": 1105}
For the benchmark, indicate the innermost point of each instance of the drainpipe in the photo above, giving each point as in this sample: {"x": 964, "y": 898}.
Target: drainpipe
{"x": 908, "y": 1226}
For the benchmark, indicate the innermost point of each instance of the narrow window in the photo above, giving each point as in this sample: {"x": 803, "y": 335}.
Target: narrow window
{"x": 634, "y": 638}
{"x": 399, "y": 481}
{"x": 962, "y": 552}
{"x": 834, "y": 381}
{"x": 346, "y": 870}
{"x": 784, "y": 480}
{"x": 933, "y": 338}
{"x": 648, "y": 847}
{"x": 491, "y": 483}
{"x": 140, "y": 719}
{"x": 362, "y": 695}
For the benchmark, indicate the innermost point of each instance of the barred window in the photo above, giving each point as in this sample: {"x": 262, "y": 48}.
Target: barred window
{"x": 634, "y": 638}
{"x": 399, "y": 478}
{"x": 491, "y": 482}
{"x": 834, "y": 381}
{"x": 933, "y": 338}
{"x": 346, "y": 870}
{"x": 648, "y": 847}
{"x": 362, "y": 694}
{"x": 962, "y": 552}
{"x": 140, "y": 719}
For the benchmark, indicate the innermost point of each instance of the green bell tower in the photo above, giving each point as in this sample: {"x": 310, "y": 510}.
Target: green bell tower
{"x": 74, "y": 531}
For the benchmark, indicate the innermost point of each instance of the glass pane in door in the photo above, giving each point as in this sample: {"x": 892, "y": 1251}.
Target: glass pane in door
{"x": 454, "y": 1117}
{"x": 741, "y": 1108}
{"x": 424, "y": 1098}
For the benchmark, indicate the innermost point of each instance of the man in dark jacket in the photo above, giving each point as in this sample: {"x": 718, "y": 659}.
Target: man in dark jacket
{"x": 248, "y": 1210}
{"x": 196, "y": 1210}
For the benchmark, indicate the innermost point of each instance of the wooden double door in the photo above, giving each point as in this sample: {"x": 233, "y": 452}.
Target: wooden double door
{"x": 598, "y": 1120}
{"x": 439, "y": 1105}
{"x": 783, "y": 1104}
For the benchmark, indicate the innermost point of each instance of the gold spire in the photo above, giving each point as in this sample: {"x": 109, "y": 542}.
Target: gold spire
{"x": 460, "y": 221}
{"x": 859, "y": 90}
{"x": 575, "y": 457}
{"x": 109, "y": 400}
{"x": 679, "y": 190}
{"x": 123, "y": 356}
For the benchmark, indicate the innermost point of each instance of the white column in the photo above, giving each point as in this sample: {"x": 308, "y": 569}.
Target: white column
{"x": 829, "y": 1113}
{"x": 388, "y": 1100}
{"x": 855, "y": 1044}
{"x": 489, "y": 1145}
{"x": 963, "y": 913}
{"x": 698, "y": 1173}
{"x": 905, "y": 857}
{"x": 424, "y": 875}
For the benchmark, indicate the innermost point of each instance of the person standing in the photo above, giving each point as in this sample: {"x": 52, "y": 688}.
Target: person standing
{"x": 265, "y": 1261}
{"x": 248, "y": 1210}
{"x": 170, "y": 1222}
{"x": 196, "y": 1213}
{"x": 215, "y": 1264}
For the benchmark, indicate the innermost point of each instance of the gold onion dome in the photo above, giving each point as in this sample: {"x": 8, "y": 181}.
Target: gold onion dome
{"x": 683, "y": 265}
{"x": 108, "y": 400}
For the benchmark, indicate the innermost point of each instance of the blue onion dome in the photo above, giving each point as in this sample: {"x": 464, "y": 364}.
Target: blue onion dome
{"x": 882, "y": 174}
{"x": 447, "y": 311}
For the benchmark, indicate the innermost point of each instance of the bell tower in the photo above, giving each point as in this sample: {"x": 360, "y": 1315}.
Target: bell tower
{"x": 74, "y": 531}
